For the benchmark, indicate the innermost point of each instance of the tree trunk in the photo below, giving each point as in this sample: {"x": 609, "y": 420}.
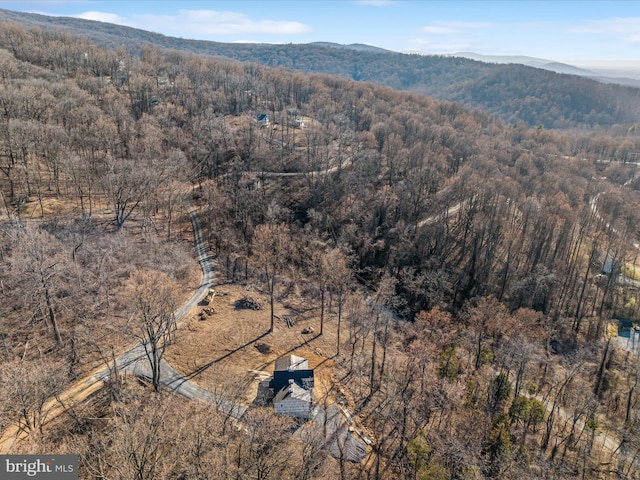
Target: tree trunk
{"x": 578, "y": 313}
{"x": 52, "y": 316}
{"x": 339, "y": 321}
{"x": 322, "y": 294}
{"x": 372, "y": 387}
{"x": 629, "y": 403}
{"x": 272, "y": 285}
{"x": 601, "y": 369}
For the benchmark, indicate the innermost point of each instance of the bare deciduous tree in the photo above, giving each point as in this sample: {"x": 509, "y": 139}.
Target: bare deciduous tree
{"x": 261, "y": 453}
{"x": 270, "y": 245}
{"x": 26, "y": 391}
{"x": 339, "y": 276}
{"x": 153, "y": 303}
{"x": 126, "y": 184}
{"x": 37, "y": 264}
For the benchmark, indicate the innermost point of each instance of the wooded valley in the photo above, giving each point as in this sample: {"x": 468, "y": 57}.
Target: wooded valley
{"x": 515, "y": 93}
{"x": 476, "y": 271}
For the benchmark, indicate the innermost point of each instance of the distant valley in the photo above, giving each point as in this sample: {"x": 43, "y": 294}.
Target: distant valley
{"x": 606, "y": 72}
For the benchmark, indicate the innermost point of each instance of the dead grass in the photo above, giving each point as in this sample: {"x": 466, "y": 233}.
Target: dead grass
{"x": 229, "y": 342}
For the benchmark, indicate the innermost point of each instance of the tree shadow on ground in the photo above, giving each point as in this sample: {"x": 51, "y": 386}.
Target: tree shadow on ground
{"x": 194, "y": 373}
{"x": 293, "y": 349}
{"x": 204, "y": 367}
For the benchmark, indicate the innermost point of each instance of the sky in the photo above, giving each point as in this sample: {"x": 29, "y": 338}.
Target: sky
{"x": 575, "y": 32}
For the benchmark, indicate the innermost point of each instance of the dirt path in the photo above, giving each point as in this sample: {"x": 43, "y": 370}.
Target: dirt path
{"x": 131, "y": 359}
{"x": 347, "y": 163}
{"x": 601, "y": 438}
{"x": 442, "y": 215}
{"x": 175, "y": 381}
{"x": 134, "y": 359}
{"x": 622, "y": 278}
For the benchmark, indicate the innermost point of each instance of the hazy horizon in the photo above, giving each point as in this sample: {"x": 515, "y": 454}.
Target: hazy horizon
{"x": 577, "y": 33}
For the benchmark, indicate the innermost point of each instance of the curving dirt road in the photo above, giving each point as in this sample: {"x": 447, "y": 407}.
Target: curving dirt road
{"x": 134, "y": 359}
{"x": 442, "y": 215}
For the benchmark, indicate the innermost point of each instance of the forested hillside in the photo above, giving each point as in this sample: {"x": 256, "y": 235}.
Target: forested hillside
{"x": 515, "y": 93}
{"x": 477, "y": 270}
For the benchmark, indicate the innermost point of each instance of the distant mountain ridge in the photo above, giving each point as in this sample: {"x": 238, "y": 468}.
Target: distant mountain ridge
{"x": 359, "y": 47}
{"x": 599, "y": 74}
{"x": 545, "y": 64}
{"x": 516, "y": 93}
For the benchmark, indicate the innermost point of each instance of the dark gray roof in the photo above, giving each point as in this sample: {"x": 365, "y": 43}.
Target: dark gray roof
{"x": 294, "y": 391}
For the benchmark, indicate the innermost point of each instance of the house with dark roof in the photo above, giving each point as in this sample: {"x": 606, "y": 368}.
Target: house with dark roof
{"x": 262, "y": 119}
{"x": 292, "y": 385}
{"x": 293, "y": 401}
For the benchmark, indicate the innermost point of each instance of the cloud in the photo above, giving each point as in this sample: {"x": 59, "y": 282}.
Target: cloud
{"x": 626, "y": 28}
{"x": 435, "y": 30}
{"x": 194, "y": 23}
{"x": 46, "y": 3}
{"x": 453, "y": 28}
{"x": 438, "y": 47}
{"x": 610, "y": 25}
{"x": 446, "y": 37}
{"x": 104, "y": 17}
